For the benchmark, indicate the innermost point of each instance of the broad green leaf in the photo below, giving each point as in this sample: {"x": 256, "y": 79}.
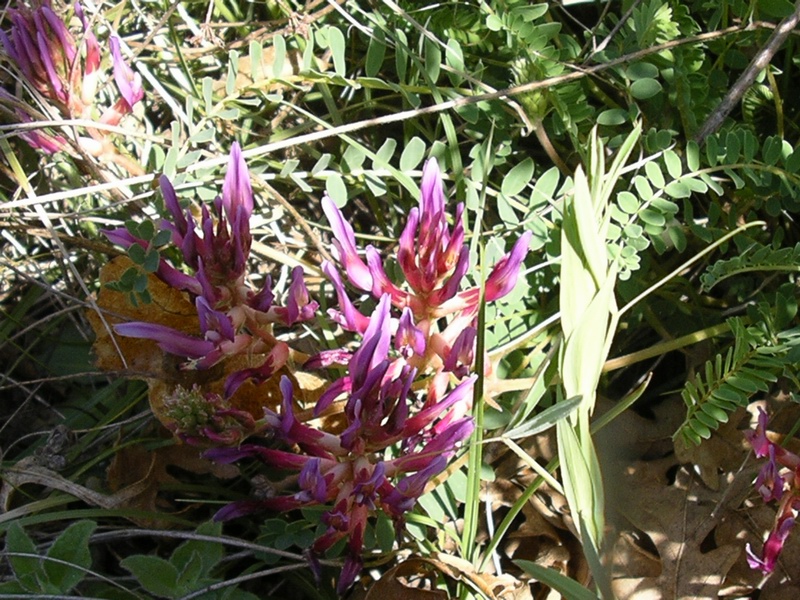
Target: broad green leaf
{"x": 777, "y": 9}
{"x": 208, "y": 95}
{"x": 643, "y": 188}
{"x": 193, "y": 573}
{"x": 16, "y": 588}
{"x": 18, "y": 542}
{"x": 279, "y": 44}
{"x": 654, "y": 174}
{"x": 233, "y": 71}
{"x": 628, "y": 202}
{"x": 545, "y": 187}
{"x": 644, "y": 89}
{"x": 337, "y": 44}
{"x": 375, "y": 53}
{"x": 706, "y": 419}
{"x": 309, "y": 60}
{"x": 412, "y": 154}
{"x": 641, "y": 70}
{"x": 375, "y": 184}
{"x": 506, "y": 211}
{"x": 748, "y": 386}
{"x": 151, "y": 261}
{"x": 700, "y": 429}
{"x": 517, "y": 178}
{"x": 530, "y": 13}
{"x": 678, "y": 238}
{"x": 772, "y": 150}
{"x": 256, "y": 51}
{"x": 732, "y": 148}
{"x": 693, "y": 155}
{"x": 156, "y": 575}
{"x": 384, "y": 153}
{"x": 749, "y": 146}
{"x": 652, "y": 217}
{"x": 354, "y": 158}
{"x": 493, "y": 23}
{"x": 321, "y": 164}
{"x": 433, "y": 59}
{"x": 712, "y": 151}
{"x": 336, "y": 189}
{"x": 72, "y": 546}
{"x": 673, "y": 163}
{"x": 613, "y": 116}
{"x": 400, "y": 56}
{"x": 793, "y": 162}
{"x": 210, "y": 552}
{"x": 715, "y": 412}
{"x": 678, "y": 189}
{"x": 454, "y": 57}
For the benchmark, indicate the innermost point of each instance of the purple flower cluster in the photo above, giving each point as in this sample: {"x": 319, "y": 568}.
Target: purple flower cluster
{"x": 433, "y": 259}
{"x": 234, "y": 318}
{"x": 65, "y": 72}
{"x": 778, "y": 480}
{"x": 380, "y": 432}
{"x": 350, "y": 470}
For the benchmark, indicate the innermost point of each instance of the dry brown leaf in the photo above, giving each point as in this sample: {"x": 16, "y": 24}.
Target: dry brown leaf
{"x": 719, "y": 454}
{"x": 677, "y": 519}
{"x": 137, "y": 475}
{"x": 535, "y": 539}
{"x": 143, "y": 359}
{"x": 403, "y": 581}
{"x": 137, "y": 357}
{"x": 415, "y": 577}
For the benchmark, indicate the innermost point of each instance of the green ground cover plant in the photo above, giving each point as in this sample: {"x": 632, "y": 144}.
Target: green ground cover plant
{"x": 399, "y": 299}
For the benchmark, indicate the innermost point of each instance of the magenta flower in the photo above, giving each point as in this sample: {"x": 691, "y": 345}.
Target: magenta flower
{"x": 433, "y": 259}
{"x": 128, "y": 82}
{"x": 779, "y": 480}
{"x": 772, "y": 547}
{"x": 234, "y": 319}
{"x": 66, "y": 72}
{"x": 349, "y": 471}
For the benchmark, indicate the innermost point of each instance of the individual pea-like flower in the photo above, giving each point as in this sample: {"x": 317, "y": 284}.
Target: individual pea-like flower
{"x": 234, "y": 319}
{"x": 351, "y": 471}
{"x": 433, "y": 259}
{"x": 66, "y": 73}
{"x": 778, "y": 480}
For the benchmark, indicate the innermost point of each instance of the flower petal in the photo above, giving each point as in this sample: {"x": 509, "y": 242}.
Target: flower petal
{"x": 345, "y": 243}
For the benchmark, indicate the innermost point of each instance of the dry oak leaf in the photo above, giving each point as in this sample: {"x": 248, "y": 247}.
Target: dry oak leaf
{"x": 146, "y": 471}
{"x": 136, "y": 357}
{"x": 143, "y": 359}
{"x": 677, "y": 518}
{"x": 403, "y": 581}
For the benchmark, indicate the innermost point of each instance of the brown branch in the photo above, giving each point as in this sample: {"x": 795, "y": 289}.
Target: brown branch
{"x": 760, "y": 62}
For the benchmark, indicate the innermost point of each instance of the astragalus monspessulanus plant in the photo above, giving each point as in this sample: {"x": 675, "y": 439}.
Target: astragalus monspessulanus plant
{"x": 386, "y": 424}
{"x": 233, "y": 321}
{"x": 63, "y": 71}
{"x": 407, "y": 390}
